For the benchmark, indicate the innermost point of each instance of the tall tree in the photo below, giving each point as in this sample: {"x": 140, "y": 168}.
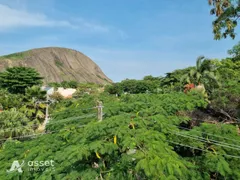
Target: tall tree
{"x": 235, "y": 52}
{"x": 227, "y": 15}
{"x": 201, "y": 72}
{"x": 35, "y": 92}
{"x": 17, "y": 79}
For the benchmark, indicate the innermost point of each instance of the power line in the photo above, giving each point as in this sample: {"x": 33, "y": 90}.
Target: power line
{"x": 204, "y": 140}
{"x": 57, "y": 121}
{"x": 198, "y": 131}
{"x": 71, "y": 119}
{"x": 65, "y": 120}
{"x": 62, "y": 112}
{"x": 209, "y": 140}
{"x": 228, "y": 155}
{"x": 30, "y": 135}
{"x": 15, "y": 128}
{"x": 208, "y": 134}
{"x": 37, "y": 134}
{"x": 220, "y": 143}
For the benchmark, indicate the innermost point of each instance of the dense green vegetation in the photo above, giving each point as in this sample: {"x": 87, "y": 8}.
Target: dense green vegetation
{"x": 184, "y": 125}
{"x": 64, "y": 84}
{"x": 15, "y": 56}
{"x": 17, "y": 79}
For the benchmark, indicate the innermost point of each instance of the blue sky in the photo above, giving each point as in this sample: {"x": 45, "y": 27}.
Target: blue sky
{"x": 126, "y": 38}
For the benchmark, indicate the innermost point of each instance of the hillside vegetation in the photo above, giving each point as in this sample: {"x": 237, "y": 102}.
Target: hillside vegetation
{"x": 181, "y": 126}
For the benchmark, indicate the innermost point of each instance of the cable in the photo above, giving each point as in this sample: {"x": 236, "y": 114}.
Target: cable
{"x": 223, "y": 144}
{"x": 72, "y": 119}
{"x": 58, "y": 121}
{"x": 228, "y": 155}
{"x": 19, "y": 128}
{"x": 209, "y": 140}
{"x": 203, "y": 140}
{"x": 199, "y": 131}
{"x": 68, "y": 119}
{"x": 208, "y": 134}
{"x": 62, "y": 112}
{"x": 219, "y": 143}
{"x": 19, "y": 137}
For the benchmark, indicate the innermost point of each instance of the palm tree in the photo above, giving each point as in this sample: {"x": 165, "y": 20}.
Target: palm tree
{"x": 32, "y": 109}
{"x": 35, "y": 92}
{"x": 201, "y": 74}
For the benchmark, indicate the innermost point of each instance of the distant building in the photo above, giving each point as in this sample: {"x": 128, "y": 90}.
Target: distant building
{"x": 49, "y": 90}
{"x": 66, "y": 93}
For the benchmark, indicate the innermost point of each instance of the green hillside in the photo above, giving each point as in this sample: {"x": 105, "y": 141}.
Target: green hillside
{"x": 181, "y": 126}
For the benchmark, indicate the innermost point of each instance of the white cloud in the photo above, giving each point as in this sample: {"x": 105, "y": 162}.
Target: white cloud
{"x": 86, "y": 25}
{"x": 90, "y": 26}
{"x": 95, "y": 27}
{"x": 12, "y": 18}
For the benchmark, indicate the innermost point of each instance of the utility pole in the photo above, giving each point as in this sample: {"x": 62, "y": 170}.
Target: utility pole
{"x": 100, "y": 111}
{"x": 47, "y": 114}
{"x": 47, "y": 102}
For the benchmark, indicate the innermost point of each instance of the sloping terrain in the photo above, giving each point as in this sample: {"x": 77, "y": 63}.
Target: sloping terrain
{"x": 57, "y": 64}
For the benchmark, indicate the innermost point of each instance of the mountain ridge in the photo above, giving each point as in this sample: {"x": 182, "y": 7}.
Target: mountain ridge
{"x": 57, "y": 64}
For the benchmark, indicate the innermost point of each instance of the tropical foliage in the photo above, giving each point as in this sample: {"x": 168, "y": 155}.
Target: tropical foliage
{"x": 17, "y": 79}
{"x": 152, "y": 129}
{"x": 235, "y": 52}
{"x": 227, "y": 14}
{"x": 201, "y": 73}
{"x": 14, "y": 124}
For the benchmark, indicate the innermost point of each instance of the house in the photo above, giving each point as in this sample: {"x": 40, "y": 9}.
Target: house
{"x": 66, "y": 93}
{"x": 49, "y": 90}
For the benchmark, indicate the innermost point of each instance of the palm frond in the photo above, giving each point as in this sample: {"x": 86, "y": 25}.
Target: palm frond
{"x": 199, "y": 62}
{"x": 185, "y": 78}
{"x": 198, "y": 77}
{"x": 192, "y": 72}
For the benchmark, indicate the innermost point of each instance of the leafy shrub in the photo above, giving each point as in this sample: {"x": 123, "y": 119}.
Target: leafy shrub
{"x": 14, "y": 124}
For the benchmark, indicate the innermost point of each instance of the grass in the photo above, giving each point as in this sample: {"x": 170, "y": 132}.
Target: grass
{"x": 15, "y": 56}
{"x": 102, "y": 78}
{"x": 58, "y": 63}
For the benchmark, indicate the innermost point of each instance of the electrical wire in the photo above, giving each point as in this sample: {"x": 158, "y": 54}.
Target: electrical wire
{"x": 24, "y": 136}
{"x": 15, "y": 128}
{"x": 184, "y": 145}
{"x": 227, "y": 155}
{"x": 62, "y": 112}
{"x": 209, "y": 134}
{"x": 57, "y": 121}
{"x": 180, "y": 127}
{"x": 204, "y": 140}
{"x": 71, "y": 119}
{"x": 68, "y": 119}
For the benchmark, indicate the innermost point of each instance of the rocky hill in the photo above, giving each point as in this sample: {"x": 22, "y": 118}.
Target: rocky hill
{"x": 57, "y": 64}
